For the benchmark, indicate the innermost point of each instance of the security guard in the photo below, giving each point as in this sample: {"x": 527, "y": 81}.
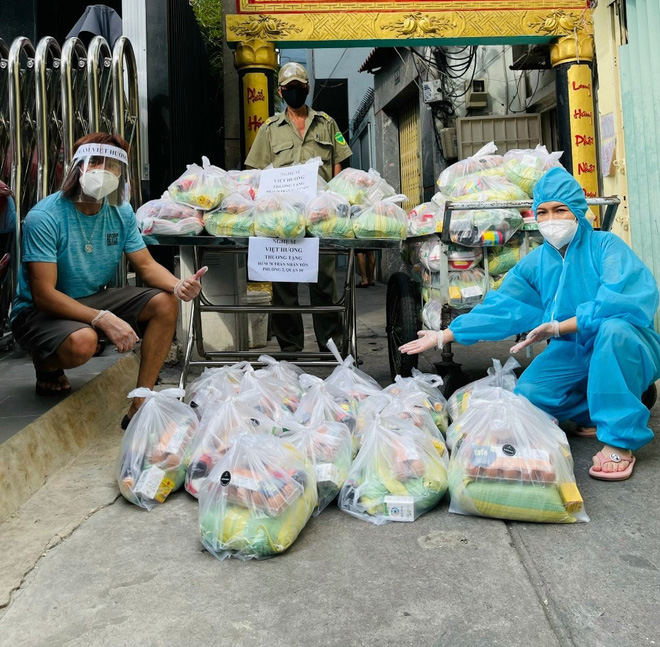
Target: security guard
{"x": 292, "y": 137}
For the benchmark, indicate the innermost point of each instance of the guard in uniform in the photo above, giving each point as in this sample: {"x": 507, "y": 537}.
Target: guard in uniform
{"x": 293, "y": 137}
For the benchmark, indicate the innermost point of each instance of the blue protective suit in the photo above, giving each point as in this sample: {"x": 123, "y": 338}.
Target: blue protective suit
{"x": 597, "y": 376}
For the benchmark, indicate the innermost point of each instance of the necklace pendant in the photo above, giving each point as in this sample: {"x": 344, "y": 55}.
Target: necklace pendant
{"x": 88, "y": 248}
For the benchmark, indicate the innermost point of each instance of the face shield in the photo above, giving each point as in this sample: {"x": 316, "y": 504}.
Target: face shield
{"x": 102, "y": 172}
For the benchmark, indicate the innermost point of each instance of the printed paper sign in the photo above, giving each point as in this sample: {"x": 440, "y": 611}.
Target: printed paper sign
{"x": 301, "y": 179}
{"x": 280, "y": 260}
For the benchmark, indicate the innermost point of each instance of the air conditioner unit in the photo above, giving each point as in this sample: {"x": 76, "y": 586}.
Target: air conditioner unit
{"x": 432, "y": 91}
{"x": 449, "y": 143}
{"x": 477, "y": 94}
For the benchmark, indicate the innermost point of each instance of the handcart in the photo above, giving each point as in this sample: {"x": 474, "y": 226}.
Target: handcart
{"x": 345, "y": 305}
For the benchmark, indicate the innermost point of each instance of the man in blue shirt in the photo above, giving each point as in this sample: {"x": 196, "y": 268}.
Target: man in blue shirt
{"x": 72, "y": 242}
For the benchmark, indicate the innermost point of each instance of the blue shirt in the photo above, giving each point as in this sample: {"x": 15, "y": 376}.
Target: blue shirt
{"x": 54, "y": 231}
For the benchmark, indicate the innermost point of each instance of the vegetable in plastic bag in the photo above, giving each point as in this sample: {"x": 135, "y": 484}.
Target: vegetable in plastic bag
{"x": 329, "y": 448}
{"x": 525, "y": 167}
{"x": 202, "y": 187}
{"x": 425, "y": 218}
{"x": 234, "y": 217}
{"x": 328, "y": 215}
{"x": 279, "y": 215}
{"x": 484, "y": 162}
{"x": 257, "y": 499}
{"x": 156, "y": 447}
{"x": 383, "y": 219}
{"x": 513, "y": 463}
{"x": 361, "y": 187}
{"x": 502, "y": 259}
{"x": 167, "y": 218}
{"x": 397, "y": 476}
{"x": 467, "y": 289}
{"x": 498, "y": 375}
{"x": 484, "y": 227}
{"x": 480, "y": 188}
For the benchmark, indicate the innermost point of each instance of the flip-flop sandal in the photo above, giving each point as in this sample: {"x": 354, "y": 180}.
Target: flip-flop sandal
{"x": 585, "y": 432}
{"x": 50, "y": 377}
{"x": 614, "y": 457}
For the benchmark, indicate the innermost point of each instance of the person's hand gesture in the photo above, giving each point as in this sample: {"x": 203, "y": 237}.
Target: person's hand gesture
{"x": 427, "y": 339}
{"x": 120, "y": 333}
{"x": 188, "y": 289}
{"x": 540, "y": 333}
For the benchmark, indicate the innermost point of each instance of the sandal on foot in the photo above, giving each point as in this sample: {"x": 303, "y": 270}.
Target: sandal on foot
{"x": 614, "y": 457}
{"x": 50, "y": 377}
{"x": 585, "y": 432}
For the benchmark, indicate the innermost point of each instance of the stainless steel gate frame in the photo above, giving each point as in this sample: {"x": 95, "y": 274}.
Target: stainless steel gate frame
{"x": 75, "y": 117}
{"x": 5, "y": 138}
{"x": 99, "y": 86}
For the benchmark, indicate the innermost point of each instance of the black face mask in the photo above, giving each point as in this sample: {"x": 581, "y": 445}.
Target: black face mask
{"x": 294, "y": 97}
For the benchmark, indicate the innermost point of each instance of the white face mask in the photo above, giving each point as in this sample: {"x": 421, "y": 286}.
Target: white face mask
{"x": 558, "y": 232}
{"x": 98, "y": 183}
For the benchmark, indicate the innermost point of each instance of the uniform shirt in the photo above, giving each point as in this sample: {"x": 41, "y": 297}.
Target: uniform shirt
{"x": 279, "y": 143}
{"x": 51, "y": 233}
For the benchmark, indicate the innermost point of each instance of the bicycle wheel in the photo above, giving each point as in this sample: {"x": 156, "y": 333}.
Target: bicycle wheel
{"x": 402, "y": 323}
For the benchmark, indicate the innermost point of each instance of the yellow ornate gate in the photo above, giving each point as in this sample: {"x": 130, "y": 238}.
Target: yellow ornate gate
{"x": 409, "y": 152}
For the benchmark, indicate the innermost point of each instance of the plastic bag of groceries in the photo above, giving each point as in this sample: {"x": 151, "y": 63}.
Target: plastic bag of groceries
{"x": 328, "y": 215}
{"x": 156, "y": 447}
{"x": 270, "y": 396}
{"x": 502, "y": 259}
{"x": 279, "y": 215}
{"x": 428, "y": 385}
{"x": 525, "y": 167}
{"x": 203, "y": 187}
{"x": 247, "y": 180}
{"x": 257, "y": 499}
{"x": 484, "y": 227}
{"x": 467, "y": 289}
{"x": 463, "y": 258}
{"x": 484, "y": 162}
{"x": 432, "y": 315}
{"x": 234, "y": 217}
{"x": 221, "y": 379}
{"x": 168, "y": 218}
{"x": 432, "y": 254}
{"x": 513, "y": 463}
{"x": 498, "y": 375}
{"x": 478, "y": 188}
{"x": 496, "y": 281}
{"x": 425, "y": 219}
{"x": 398, "y": 474}
{"x": 433, "y": 287}
{"x": 383, "y": 219}
{"x": 361, "y": 187}
{"x": 283, "y": 371}
{"x": 329, "y": 448}
{"x": 231, "y": 414}
{"x": 326, "y": 400}
{"x": 348, "y": 378}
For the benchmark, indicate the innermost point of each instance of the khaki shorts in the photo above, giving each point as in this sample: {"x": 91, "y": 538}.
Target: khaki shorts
{"x": 42, "y": 334}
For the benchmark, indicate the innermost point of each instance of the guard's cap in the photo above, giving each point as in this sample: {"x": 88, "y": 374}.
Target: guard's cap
{"x": 292, "y": 72}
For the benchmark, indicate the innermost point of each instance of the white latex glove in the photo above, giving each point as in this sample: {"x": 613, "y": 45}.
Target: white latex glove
{"x": 540, "y": 333}
{"x": 188, "y": 289}
{"x": 427, "y": 339}
{"x": 117, "y": 331}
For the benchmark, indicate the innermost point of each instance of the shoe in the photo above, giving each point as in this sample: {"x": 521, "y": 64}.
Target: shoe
{"x": 362, "y": 285}
{"x": 50, "y": 377}
{"x": 613, "y": 476}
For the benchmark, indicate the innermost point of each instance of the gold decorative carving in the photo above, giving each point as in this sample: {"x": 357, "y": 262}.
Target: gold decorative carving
{"x": 255, "y": 53}
{"x": 420, "y": 25}
{"x": 265, "y": 28}
{"x": 576, "y": 47}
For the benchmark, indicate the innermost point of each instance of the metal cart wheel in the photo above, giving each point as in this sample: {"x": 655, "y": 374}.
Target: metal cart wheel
{"x": 650, "y": 396}
{"x": 402, "y": 323}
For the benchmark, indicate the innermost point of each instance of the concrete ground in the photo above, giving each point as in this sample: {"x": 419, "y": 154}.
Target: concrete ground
{"x": 80, "y": 566}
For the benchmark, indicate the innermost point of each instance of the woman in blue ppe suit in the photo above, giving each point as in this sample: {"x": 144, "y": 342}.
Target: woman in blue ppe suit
{"x": 589, "y": 294}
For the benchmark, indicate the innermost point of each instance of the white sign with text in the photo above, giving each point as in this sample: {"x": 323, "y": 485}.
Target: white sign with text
{"x": 281, "y": 260}
{"x": 301, "y": 178}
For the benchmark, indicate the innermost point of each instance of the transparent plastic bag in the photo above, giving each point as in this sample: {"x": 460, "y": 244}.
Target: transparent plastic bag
{"x": 425, "y": 219}
{"x": 225, "y": 378}
{"x": 203, "y": 187}
{"x": 257, "y": 499}
{"x": 167, "y": 218}
{"x": 279, "y": 215}
{"x": 467, "y": 289}
{"x": 484, "y": 162}
{"x": 487, "y": 188}
{"x": 484, "y": 227}
{"x": 496, "y": 281}
{"x": 498, "y": 375}
{"x": 156, "y": 447}
{"x": 432, "y": 315}
{"x": 234, "y": 217}
{"x": 247, "y": 180}
{"x": 525, "y": 167}
{"x": 462, "y": 258}
{"x": 384, "y": 219}
{"x": 327, "y": 401}
{"x": 432, "y": 254}
{"x": 349, "y": 378}
{"x": 271, "y": 396}
{"x": 398, "y": 474}
{"x": 286, "y": 374}
{"x": 513, "y": 463}
{"x": 230, "y": 416}
{"x": 328, "y": 215}
{"x": 361, "y": 187}
{"x": 428, "y": 385}
{"x": 329, "y": 448}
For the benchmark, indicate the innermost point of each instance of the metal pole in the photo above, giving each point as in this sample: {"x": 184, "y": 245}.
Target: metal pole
{"x": 99, "y": 80}
{"x": 74, "y": 98}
